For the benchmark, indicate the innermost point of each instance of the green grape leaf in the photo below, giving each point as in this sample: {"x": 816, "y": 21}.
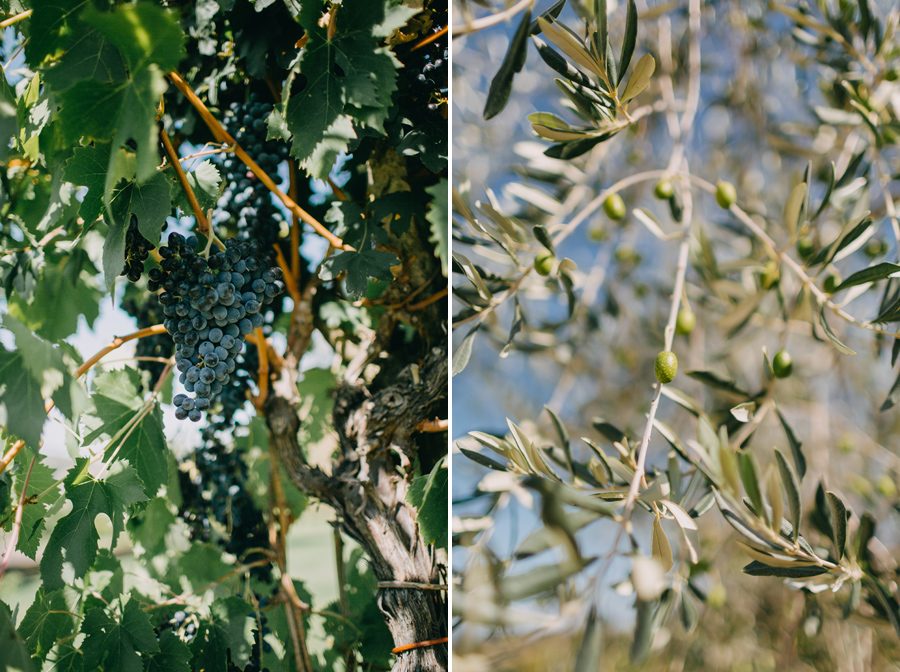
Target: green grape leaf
{"x": 87, "y": 168}
{"x": 173, "y": 655}
{"x": 310, "y": 113}
{"x": 75, "y": 538}
{"x": 114, "y": 252}
{"x": 229, "y": 627}
{"x": 116, "y": 645}
{"x": 48, "y": 28}
{"x": 333, "y": 141}
{"x": 45, "y": 622}
{"x": 400, "y": 208}
{"x": 64, "y": 293}
{"x": 35, "y": 513}
{"x": 21, "y": 404}
{"x": 65, "y": 657}
{"x": 91, "y": 109}
{"x": 350, "y": 76}
{"x": 148, "y": 528}
{"x": 360, "y": 266}
{"x": 150, "y": 202}
{"x": 90, "y": 56}
{"x": 205, "y": 181}
{"x": 138, "y": 121}
{"x": 353, "y": 226}
{"x": 44, "y": 363}
{"x": 202, "y": 564}
{"x": 144, "y": 32}
{"x": 438, "y": 217}
{"x": 117, "y": 399}
{"x": 429, "y": 495}
{"x": 15, "y": 654}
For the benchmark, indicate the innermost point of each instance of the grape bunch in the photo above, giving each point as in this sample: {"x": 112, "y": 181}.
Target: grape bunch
{"x": 246, "y": 201}
{"x": 216, "y": 490}
{"x": 211, "y": 305}
{"x": 137, "y": 249}
{"x": 425, "y": 67}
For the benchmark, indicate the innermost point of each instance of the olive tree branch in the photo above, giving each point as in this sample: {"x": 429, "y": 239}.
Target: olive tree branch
{"x": 795, "y": 267}
{"x": 472, "y": 26}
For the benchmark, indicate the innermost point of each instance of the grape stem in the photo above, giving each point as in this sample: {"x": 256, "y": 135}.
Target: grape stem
{"x": 202, "y": 222}
{"x": 211, "y": 238}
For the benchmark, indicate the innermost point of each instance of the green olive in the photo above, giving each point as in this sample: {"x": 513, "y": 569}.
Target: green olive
{"x": 770, "y": 274}
{"x": 543, "y": 262}
{"x": 832, "y": 281}
{"x": 664, "y": 189}
{"x": 597, "y": 232}
{"x": 875, "y": 248}
{"x": 782, "y": 364}
{"x": 805, "y": 247}
{"x": 726, "y": 194}
{"x": 666, "y": 366}
{"x": 614, "y": 207}
{"x": 685, "y": 322}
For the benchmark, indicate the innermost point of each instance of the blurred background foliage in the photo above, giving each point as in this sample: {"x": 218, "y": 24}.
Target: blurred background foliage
{"x": 782, "y": 95}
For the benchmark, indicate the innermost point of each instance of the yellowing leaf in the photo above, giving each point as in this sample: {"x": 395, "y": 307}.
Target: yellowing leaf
{"x": 661, "y": 550}
{"x": 792, "y": 208}
{"x": 640, "y": 78}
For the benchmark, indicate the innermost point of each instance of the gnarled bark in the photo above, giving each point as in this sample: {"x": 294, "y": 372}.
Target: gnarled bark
{"x": 375, "y": 431}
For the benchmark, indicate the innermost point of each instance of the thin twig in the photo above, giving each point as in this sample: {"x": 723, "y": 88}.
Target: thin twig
{"x": 437, "y": 296}
{"x": 431, "y": 38}
{"x": 116, "y": 343}
{"x": 17, "y": 525}
{"x": 414, "y": 585}
{"x": 492, "y": 20}
{"x": 15, "y": 19}
{"x": 433, "y": 426}
{"x": 295, "y": 221}
{"x": 202, "y": 223}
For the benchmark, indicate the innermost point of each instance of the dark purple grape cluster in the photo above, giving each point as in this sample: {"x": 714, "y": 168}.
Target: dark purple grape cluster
{"x": 216, "y": 490}
{"x": 211, "y": 305}
{"x": 425, "y": 67}
{"x": 137, "y": 249}
{"x": 246, "y": 202}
